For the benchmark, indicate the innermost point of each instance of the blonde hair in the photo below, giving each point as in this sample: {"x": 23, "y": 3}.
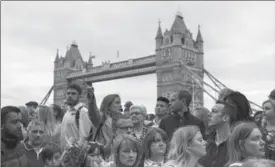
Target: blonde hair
{"x": 259, "y": 163}
{"x": 178, "y": 146}
{"x": 45, "y": 115}
{"x": 141, "y": 108}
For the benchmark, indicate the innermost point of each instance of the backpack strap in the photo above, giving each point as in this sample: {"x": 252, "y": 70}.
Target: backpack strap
{"x": 77, "y": 116}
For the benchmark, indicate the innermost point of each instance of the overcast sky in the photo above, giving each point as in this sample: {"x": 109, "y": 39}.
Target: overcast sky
{"x": 239, "y": 40}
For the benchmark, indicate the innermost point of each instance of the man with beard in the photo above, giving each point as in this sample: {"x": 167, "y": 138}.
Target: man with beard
{"x": 34, "y": 143}
{"x": 220, "y": 119}
{"x": 161, "y": 110}
{"x": 181, "y": 116}
{"x": 76, "y": 124}
{"x": 12, "y": 151}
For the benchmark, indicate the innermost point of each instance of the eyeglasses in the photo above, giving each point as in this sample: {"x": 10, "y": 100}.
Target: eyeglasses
{"x": 135, "y": 113}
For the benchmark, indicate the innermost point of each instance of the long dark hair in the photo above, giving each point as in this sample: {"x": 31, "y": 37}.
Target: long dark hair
{"x": 243, "y": 106}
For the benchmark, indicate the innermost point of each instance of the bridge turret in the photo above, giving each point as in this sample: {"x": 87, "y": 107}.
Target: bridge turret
{"x": 159, "y": 38}
{"x": 199, "y": 41}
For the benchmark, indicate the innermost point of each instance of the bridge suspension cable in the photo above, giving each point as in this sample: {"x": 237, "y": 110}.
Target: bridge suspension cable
{"x": 43, "y": 102}
{"x": 216, "y": 82}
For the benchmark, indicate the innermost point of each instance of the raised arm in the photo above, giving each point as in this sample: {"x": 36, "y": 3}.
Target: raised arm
{"x": 94, "y": 113}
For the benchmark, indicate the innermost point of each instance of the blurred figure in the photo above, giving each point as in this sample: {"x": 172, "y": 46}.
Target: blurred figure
{"x": 180, "y": 102}
{"x": 202, "y": 114}
{"x": 272, "y": 96}
{"x": 245, "y": 142}
{"x": 34, "y": 143}
{"x": 51, "y": 155}
{"x": 124, "y": 126}
{"x": 58, "y": 113}
{"x": 127, "y": 107}
{"x": 32, "y": 104}
{"x": 149, "y": 120}
{"x": 258, "y": 163}
{"x": 268, "y": 128}
{"x": 220, "y": 119}
{"x": 155, "y": 147}
{"x": 12, "y": 150}
{"x": 161, "y": 110}
{"x": 258, "y": 117}
{"x": 186, "y": 147}
{"x": 52, "y": 128}
{"x": 138, "y": 114}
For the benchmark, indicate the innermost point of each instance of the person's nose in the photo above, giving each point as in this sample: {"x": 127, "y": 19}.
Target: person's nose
{"x": 262, "y": 142}
{"x": 131, "y": 154}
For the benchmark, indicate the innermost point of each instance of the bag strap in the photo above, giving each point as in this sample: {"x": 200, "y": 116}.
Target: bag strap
{"x": 77, "y": 115}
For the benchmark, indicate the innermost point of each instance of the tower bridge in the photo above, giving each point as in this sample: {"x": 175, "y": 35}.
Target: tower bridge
{"x": 173, "y": 49}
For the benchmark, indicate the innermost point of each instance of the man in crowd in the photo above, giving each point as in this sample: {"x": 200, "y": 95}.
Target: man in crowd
{"x": 32, "y": 104}
{"x": 272, "y": 96}
{"x": 161, "y": 110}
{"x": 181, "y": 116}
{"x": 12, "y": 150}
{"x": 220, "y": 119}
{"x": 76, "y": 124}
{"x": 127, "y": 107}
{"x": 35, "y": 143}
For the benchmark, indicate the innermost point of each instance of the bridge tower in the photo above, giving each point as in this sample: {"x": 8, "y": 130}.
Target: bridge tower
{"x": 63, "y": 67}
{"x": 173, "y": 46}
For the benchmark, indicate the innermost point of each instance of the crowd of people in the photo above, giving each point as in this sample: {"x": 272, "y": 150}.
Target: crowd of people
{"x": 85, "y": 135}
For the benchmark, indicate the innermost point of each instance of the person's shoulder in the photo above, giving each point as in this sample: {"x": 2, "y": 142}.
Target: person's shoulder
{"x": 194, "y": 119}
{"x": 167, "y": 118}
{"x": 236, "y": 164}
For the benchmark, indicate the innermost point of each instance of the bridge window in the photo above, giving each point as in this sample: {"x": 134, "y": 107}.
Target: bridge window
{"x": 171, "y": 38}
{"x": 182, "y": 40}
{"x": 166, "y": 41}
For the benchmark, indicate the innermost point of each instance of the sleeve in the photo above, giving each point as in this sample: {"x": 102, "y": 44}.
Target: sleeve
{"x": 161, "y": 125}
{"x": 94, "y": 114}
{"x": 85, "y": 124}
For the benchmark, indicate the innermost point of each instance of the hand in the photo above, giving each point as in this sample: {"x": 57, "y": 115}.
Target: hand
{"x": 90, "y": 92}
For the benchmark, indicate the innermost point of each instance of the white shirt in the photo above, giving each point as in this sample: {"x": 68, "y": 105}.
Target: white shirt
{"x": 69, "y": 130}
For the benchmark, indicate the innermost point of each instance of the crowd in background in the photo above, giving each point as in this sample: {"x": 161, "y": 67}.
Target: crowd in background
{"x": 86, "y": 135}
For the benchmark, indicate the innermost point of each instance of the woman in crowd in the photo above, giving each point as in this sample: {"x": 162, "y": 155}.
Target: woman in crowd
{"x": 126, "y": 151}
{"x": 245, "y": 142}
{"x": 46, "y": 115}
{"x": 258, "y": 163}
{"x": 258, "y": 118}
{"x": 268, "y": 128}
{"x": 104, "y": 119}
{"x": 155, "y": 147}
{"x": 243, "y": 112}
{"x": 138, "y": 115}
{"x": 58, "y": 113}
{"x": 186, "y": 148}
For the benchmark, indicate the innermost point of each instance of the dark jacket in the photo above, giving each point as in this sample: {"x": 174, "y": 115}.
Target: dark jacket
{"x": 216, "y": 156}
{"x": 171, "y": 123}
{"x": 34, "y": 159}
{"x": 13, "y": 154}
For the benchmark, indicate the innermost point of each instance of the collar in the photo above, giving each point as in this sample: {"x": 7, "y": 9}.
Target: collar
{"x": 149, "y": 162}
{"x": 77, "y": 106}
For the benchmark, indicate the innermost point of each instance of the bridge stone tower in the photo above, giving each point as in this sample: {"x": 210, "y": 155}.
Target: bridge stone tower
{"x": 172, "y": 47}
